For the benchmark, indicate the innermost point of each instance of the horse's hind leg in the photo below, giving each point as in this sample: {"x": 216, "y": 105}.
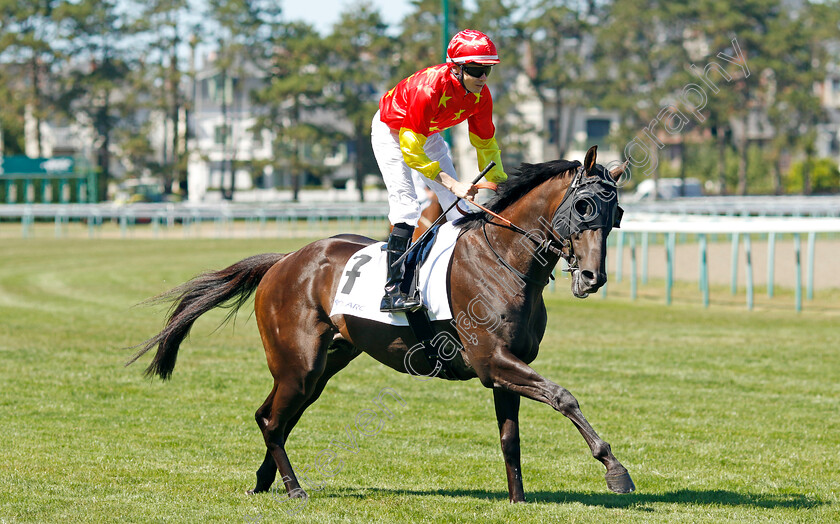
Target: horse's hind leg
{"x": 340, "y": 354}
{"x": 268, "y": 469}
{"x": 292, "y": 389}
{"x": 509, "y": 373}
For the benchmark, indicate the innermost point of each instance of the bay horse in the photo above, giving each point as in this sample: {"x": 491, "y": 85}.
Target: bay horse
{"x": 552, "y": 210}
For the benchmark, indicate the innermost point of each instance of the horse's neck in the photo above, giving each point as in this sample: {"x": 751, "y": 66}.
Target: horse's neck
{"x": 533, "y": 210}
{"x": 532, "y": 213}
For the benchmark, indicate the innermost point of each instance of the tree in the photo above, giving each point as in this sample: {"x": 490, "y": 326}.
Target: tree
{"x": 782, "y": 47}
{"x": 27, "y": 32}
{"x": 497, "y": 20}
{"x": 639, "y": 48}
{"x": 161, "y": 20}
{"x": 11, "y": 112}
{"x": 244, "y": 31}
{"x": 823, "y": 175}
{"x": 552, "y": 39}
{"x": 361, "y": 64}
{"x": 94, "y": 89}
{"x": 799, "y": 47}
{"x": 421, "y": 40}
{"x": 752, "y": 65}
{"x": 137, "y": 99}
{"x": 297, "y": 78}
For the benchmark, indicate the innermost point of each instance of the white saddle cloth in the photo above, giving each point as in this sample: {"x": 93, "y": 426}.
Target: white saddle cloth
{"x": 363, "y": 279}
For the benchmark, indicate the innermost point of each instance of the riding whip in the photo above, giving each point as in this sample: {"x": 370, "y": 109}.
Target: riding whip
{"x": 399, "y": 261}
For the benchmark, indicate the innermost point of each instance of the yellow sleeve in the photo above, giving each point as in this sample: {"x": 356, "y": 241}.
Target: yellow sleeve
{"x": 411, "y": 145}
{"x": 487, "y": 150}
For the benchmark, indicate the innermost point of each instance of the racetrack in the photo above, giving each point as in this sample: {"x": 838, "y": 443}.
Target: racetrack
{"x": 720, "y": 414}
{"x": 687, "y": 261}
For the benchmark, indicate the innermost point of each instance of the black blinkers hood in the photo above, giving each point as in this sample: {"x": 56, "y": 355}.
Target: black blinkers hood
{"x": 590, "y": 202}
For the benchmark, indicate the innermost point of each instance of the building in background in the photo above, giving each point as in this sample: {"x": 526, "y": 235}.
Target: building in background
{"x": 228, "y": 157}
{"x": 223, "y": 148}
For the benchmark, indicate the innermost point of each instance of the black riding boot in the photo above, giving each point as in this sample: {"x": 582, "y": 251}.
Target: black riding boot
{"x": 395, "y": 299}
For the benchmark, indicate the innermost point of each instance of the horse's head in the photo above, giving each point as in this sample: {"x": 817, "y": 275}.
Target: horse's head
{"x": 563, "y": 208}
{"x": 587, "y": 212}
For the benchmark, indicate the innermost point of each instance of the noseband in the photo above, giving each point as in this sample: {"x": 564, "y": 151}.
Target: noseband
{"x": 590, "y": 202}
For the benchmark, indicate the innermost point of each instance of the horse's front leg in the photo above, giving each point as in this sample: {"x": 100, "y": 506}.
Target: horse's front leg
{"x": 507, "y": 372}
{"x": 507, "y": 415}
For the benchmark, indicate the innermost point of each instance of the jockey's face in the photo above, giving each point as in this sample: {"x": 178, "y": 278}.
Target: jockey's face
{"x": 474, "y": 84}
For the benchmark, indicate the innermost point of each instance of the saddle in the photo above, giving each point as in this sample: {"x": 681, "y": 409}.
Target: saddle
{"x": 359, "y": 290}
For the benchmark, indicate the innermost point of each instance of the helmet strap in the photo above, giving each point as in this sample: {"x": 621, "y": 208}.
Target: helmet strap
{"x": 460, "y": 76}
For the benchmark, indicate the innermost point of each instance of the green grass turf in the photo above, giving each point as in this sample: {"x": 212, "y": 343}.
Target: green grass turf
{"x": 720, "y": 414}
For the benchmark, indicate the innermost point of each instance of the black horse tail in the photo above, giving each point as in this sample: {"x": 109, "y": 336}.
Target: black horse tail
{"x": 230, "y": 288}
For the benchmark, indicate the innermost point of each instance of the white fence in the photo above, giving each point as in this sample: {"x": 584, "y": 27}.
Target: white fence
{"x": 802, "y": 206}
{"x": 223, "y": 214}
{"x": 705, "y": 220}
{"x": 217, "y": 220}
{"x": 636, "y": 230}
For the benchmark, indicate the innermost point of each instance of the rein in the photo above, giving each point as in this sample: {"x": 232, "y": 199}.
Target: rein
{"x": 550, "y": 244}
{"x": 585, "y": 205}
{"x": 520, "y": 274}
{"x": 544, "y": 244}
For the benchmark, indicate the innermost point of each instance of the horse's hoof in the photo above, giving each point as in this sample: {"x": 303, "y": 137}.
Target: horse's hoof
{"x": 620, "y": 482}
{"x": 298, "y": 493}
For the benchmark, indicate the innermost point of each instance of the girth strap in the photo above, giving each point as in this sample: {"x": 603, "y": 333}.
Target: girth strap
{"x": 422, "y": 327}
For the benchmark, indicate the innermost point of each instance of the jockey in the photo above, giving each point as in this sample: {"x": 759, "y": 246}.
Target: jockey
{"x": 405, "y": 137}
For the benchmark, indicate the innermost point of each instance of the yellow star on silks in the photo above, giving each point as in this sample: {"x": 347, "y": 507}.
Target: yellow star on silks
{"x": 434, "y": 128}
{"x": 458, "y": 115}
{"x": 477, "y": 97}
{"x": 443, "y": 99}
{"x": 391, "y": 92}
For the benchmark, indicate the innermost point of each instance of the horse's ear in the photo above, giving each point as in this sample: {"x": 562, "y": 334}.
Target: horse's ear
{"x": 589, "y": 160}
{"x": 618, "y": 171}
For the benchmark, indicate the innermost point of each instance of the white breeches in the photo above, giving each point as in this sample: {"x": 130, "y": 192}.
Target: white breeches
{"x": 405, "y": 197}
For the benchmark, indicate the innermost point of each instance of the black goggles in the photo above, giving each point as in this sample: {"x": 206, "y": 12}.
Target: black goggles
{"x": 475, "y": 70}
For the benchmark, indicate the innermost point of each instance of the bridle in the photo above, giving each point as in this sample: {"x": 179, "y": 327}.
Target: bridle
{"x": 590, "y": 202}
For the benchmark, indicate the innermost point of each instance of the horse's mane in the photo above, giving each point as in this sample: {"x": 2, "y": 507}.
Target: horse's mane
{"x": 525, "y": 178}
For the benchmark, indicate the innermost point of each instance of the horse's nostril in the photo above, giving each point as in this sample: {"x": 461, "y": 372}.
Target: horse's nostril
{"x": 588, "y": 276}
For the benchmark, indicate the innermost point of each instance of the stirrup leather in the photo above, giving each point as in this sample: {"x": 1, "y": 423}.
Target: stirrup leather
{"x": 395, "y": 299}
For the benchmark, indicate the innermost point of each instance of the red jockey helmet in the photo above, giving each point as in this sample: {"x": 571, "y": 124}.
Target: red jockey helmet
{"x": 471, "y": 46}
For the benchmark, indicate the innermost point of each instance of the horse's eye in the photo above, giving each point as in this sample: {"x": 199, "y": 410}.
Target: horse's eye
{"x": 585, "y": 208}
